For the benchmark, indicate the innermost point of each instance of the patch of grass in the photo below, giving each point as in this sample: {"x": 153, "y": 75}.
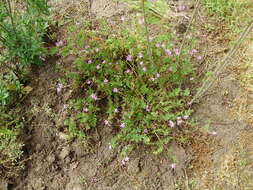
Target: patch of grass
{"x": 235, "y": 13}
{"x": 142, "y": 96}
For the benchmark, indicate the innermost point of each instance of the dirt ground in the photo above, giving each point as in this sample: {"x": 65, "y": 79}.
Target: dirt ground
{"x": 221, "y": 160}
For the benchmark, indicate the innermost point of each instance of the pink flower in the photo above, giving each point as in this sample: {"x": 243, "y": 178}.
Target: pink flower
{"x": 141, "y": 20}
{"x": 171, "y": 124}
{"x": 90, "y": 61}
{"x": 177, "y": 52}
{"x": 122, "y": 125}
{"x": 168, "y": 52}
{"x": 173, "y": 166}
{"x": 106, "y": 122}
{"x": 158, "y": 75}
{"x": 147, "y": 108}
{"x": 125, "y": 160}
{"x": 87, "y": 47}
{"x": 122, "y": 18}
{"x": 129, "y": 58}
{"x": 115, "y": 90}
{"x": 128, "y": 71}
{"x": 106, "y": 81}
{"x": 152, "y": 79}
{"x": 97, "y": 50}
{"x": 158, "y": 45}
{"x": 189, "y": 103}
{"x": 85, "y": 110}
{"x": 116, "y": 110}
{"x": 140, "y": 55}
{"x": 199, "y": 57}
{"x": 144, "y": 69}
{"x": 94, "y": 96}
{"x": 98, "y": 67}
{"x": 59, "y": 43}
{"x": 104, "y": 61}
{"x": 89, "y": 82}
{"x": 59, "y": 88}
{"x": 141, "y": 63}
{"x": 145, "y": 131}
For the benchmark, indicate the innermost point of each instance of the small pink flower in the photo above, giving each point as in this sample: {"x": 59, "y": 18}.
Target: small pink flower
{"x": 106, "y": 81}
{"x": 97, "y": 50}
{"x": 116, "y": 110}
{"x": 87, "y": 47}
{"x": 85, "y": 110}
{"x": 152, "y": 79}
{"x": 141, "y": 63}
{"x": 59, "y": 88}
{"x": 171, "y": 124}
{"x": 122, "y": 18}
{"x": 94, "y": 96}
{"x": 189, "y": 103}
{"x": 168, "y": 52}
{"x": 158, "y": 75}
{"x": 193, "y": 51}
{"x": 122, "y": 125}
{"x": 140, "y": 55}
{"x": 177, "y": 52}
{"x": 90, "y": 61}
{"x": 158, "y": 45}
{"x": 106, "y": 122}
{"x": 128, "y": 71}
{"x": 147, "y": 108}
{"x": 125, "y": 160}
{"x": 141, "y": 20}
{"x": 199, "y": 57}
{"x": 144, "y": 69}
{"x": 89, "y": 82}
{"x": 145, "y": 131}
{"x": 104, "y": 62}
{"x": 173, "y": 166}
{"x": 98, "y": 67}
{"x": 59, "y": 43}
{"x": 115, "y": 90}
{"x": 129, "y": 58}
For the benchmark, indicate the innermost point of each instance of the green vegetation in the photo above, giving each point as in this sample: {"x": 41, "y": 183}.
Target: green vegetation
{"x": 22, "y": 28}
{"x": 138, "y": 88}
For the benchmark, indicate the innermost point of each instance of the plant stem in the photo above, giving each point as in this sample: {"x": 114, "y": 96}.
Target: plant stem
{"x": 146, "y": 30}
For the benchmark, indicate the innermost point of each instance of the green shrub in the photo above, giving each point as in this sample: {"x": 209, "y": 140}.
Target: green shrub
{"x": 21, "y": 33}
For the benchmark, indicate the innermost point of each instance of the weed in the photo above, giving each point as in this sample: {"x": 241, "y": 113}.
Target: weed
{"x": 142, "y": 97}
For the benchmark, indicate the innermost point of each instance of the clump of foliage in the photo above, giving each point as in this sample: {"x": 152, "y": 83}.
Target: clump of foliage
{"x": 22, "y": 27}
{"x": 10, "y": 146}
{"x": 139, "y": 90}
{"x": 231, "y": 11}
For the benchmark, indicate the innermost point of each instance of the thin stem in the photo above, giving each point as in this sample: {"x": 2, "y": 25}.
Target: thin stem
{"x": 146, "y": 30}
{"x": 189, "y": 26}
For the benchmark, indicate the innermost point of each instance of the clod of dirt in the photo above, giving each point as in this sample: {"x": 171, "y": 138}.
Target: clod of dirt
{"x": 133, "y": 167}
